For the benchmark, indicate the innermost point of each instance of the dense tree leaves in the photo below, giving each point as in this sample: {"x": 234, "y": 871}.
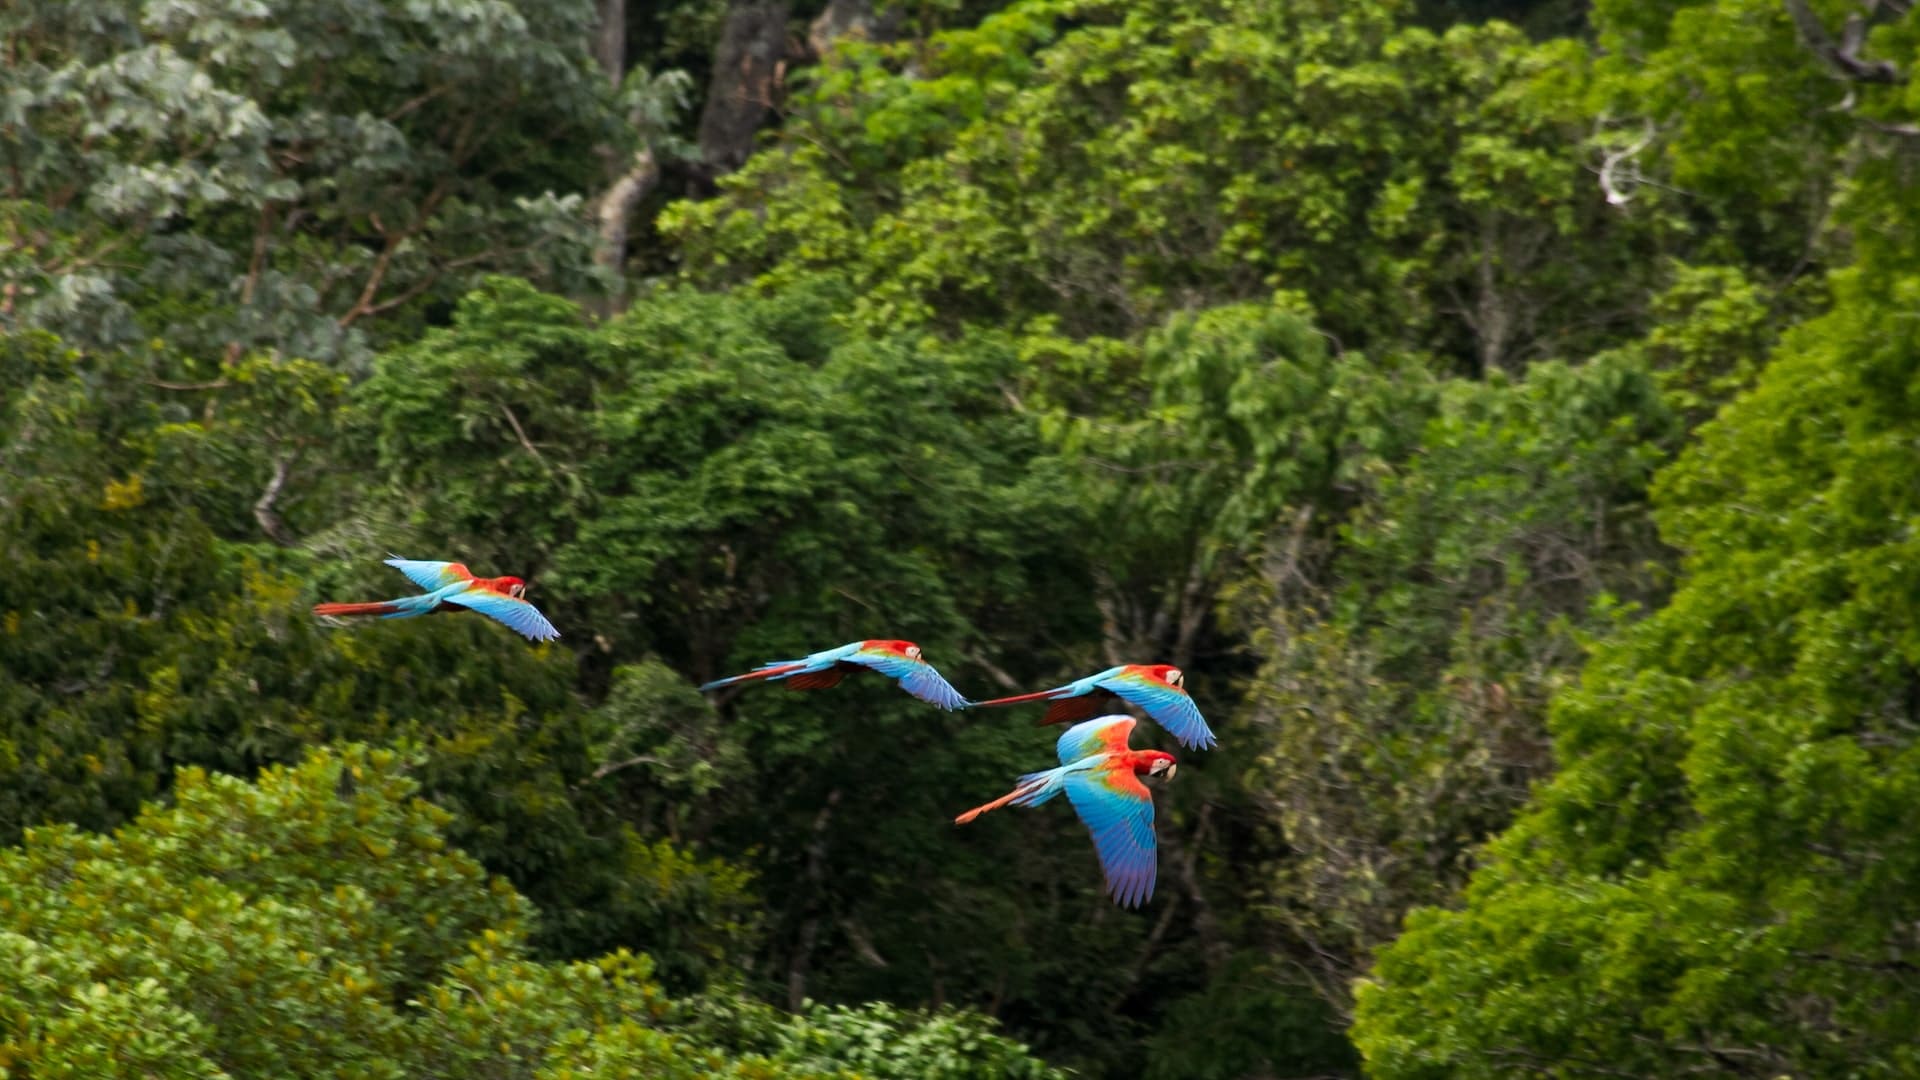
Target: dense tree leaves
{"x": 318, "y": 924}
{"x": 139, "y": 638}
{"x": 1400, "y": 715}
{"x": 1417, "y": 188}
{"x": 1327, "y": 350}
{"x": 241, "y": 175}
{"x": 1721, "y": 849}
{"x": 1713, "y": 879}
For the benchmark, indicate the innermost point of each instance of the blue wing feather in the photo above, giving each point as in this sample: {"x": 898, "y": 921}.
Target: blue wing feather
{"x": 1171, "y": 708}
{"x": 1101, "y": 735}
{"x": 428, "y": 575}
{"x": 916, "y": 677}
{"x": 518, "y": 614}
{"x": 1118, "y": 810}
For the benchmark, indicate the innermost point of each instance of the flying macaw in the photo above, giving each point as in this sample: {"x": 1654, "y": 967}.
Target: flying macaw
{"x": 1101, "y": 777}
{"x": 1160, "y": 690}
{"x": 452, "y": 587}
{"x": 897, "y": 660}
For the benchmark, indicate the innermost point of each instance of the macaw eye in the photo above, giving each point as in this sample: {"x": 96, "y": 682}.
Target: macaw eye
{"x": 1174, "y": 678}
{"x": 913, "y": 652}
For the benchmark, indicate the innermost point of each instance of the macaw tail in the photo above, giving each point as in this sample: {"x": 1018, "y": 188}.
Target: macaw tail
{"x": 771, "y": 671}
{"x": 1043, "y": 695}
{"x": 381, "y": 607}
{"x": 1033, "y": 789}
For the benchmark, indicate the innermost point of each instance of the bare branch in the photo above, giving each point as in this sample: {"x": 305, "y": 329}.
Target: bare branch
{"x": 217, "y": 384}
{"x": 263, "y": 511}
{"x": 994, "y": 671}
{"x": 614, "y": 767}
{"x": 1611, "y": 160}
{"x": 1844, "y": 55}
{"x": 525, "y": 443}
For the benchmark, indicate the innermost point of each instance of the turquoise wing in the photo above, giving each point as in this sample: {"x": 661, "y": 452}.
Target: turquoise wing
{"x": 431, "y": 575}
{"x": 518, "y": 614}
{"x": 1118, "y": 810}
{"x": 916, "y": 677}
{"x": 1170, "y": 707}
{"x": 1101, "y": 735}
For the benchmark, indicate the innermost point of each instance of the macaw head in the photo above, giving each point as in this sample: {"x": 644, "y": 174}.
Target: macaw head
{"x": 1160, "y": 763}
{"x": 513, "y": 586}
{"x": 1166, "y": 673}
{"x": 900, "y": 648}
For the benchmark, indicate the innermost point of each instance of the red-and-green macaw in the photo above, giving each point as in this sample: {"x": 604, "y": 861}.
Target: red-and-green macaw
{"x": 1101, "y": 777}
{"x": 1159, "y": 690}
{"x": 897, "y": 660}
{"x": 452, "y": 587}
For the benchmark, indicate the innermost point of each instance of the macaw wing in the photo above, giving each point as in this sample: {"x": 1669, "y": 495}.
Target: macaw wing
{"x": 431, "y": 575}
{"x": 516, "y": 613}
{"x": 1072, "y": 710}
{"x": 916, "y": 677}
{"x": 1105, "y": 735}
{"x": 1118, "y": 811}
{"x": 1170, "y": 707}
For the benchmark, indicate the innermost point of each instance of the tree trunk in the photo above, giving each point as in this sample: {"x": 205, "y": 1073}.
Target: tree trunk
{"x": 748, "y": 67}
{"x": 615, "y": 214}
{"x": 610, "y": 41}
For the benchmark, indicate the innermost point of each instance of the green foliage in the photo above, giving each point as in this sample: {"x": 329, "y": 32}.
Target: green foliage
{"x": 1327, "y": 350}
{"x": 1717, "y": 862}
{"x": 1156, "y": 157}
{"x": 1716, "y": 878}
{"x": 318, "y": 924}
{"x": 1399, "y": 718}
{"x": 884, "y": 1043}
{"x": 257, "y": 174}
{"x": 138, "y": 638}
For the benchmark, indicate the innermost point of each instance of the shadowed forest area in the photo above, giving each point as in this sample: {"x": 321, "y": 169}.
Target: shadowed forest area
{"x": 1507, "y": 415}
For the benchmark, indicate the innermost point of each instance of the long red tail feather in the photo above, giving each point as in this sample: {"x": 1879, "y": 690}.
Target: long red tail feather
{"x": 1043, "y": 695}
{"x": 376, "y": 608}
{"x": 995, "y": 804}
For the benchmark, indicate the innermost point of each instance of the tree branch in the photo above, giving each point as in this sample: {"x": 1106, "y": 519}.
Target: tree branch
{"x": 263, "y": 511}
{"x": 217, "y": 384}
{"x": 1844, "y": 55}
{"x": 618, "y": 206}
{"x": 525, "y": 443}
{"x": 638, "y": 759}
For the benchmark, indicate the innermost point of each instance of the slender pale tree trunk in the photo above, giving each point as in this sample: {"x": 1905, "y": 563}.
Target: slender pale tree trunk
{"x": 631, "y": 181}
{"x": 610, "y": 40}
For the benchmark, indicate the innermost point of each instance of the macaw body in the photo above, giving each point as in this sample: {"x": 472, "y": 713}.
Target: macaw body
{"x": 452, "y": 587}
{"x": 1101, "y": 777}
{"x": 1157, "y": 689}
{"x": 900, "y": 661}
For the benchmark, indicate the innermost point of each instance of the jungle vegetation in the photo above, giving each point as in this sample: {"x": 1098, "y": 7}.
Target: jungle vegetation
{"x": 1507, "y": 413}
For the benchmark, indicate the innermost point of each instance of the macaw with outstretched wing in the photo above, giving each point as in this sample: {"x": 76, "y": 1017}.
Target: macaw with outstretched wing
{"x": 1101, "y": 777}
{"x": 452, "y": 587}
{"x": 1159, "y": 690}
{"x": 900, "y": 661}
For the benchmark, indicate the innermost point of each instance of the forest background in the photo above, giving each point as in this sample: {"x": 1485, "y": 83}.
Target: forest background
{"x": 1507, "y": 413}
